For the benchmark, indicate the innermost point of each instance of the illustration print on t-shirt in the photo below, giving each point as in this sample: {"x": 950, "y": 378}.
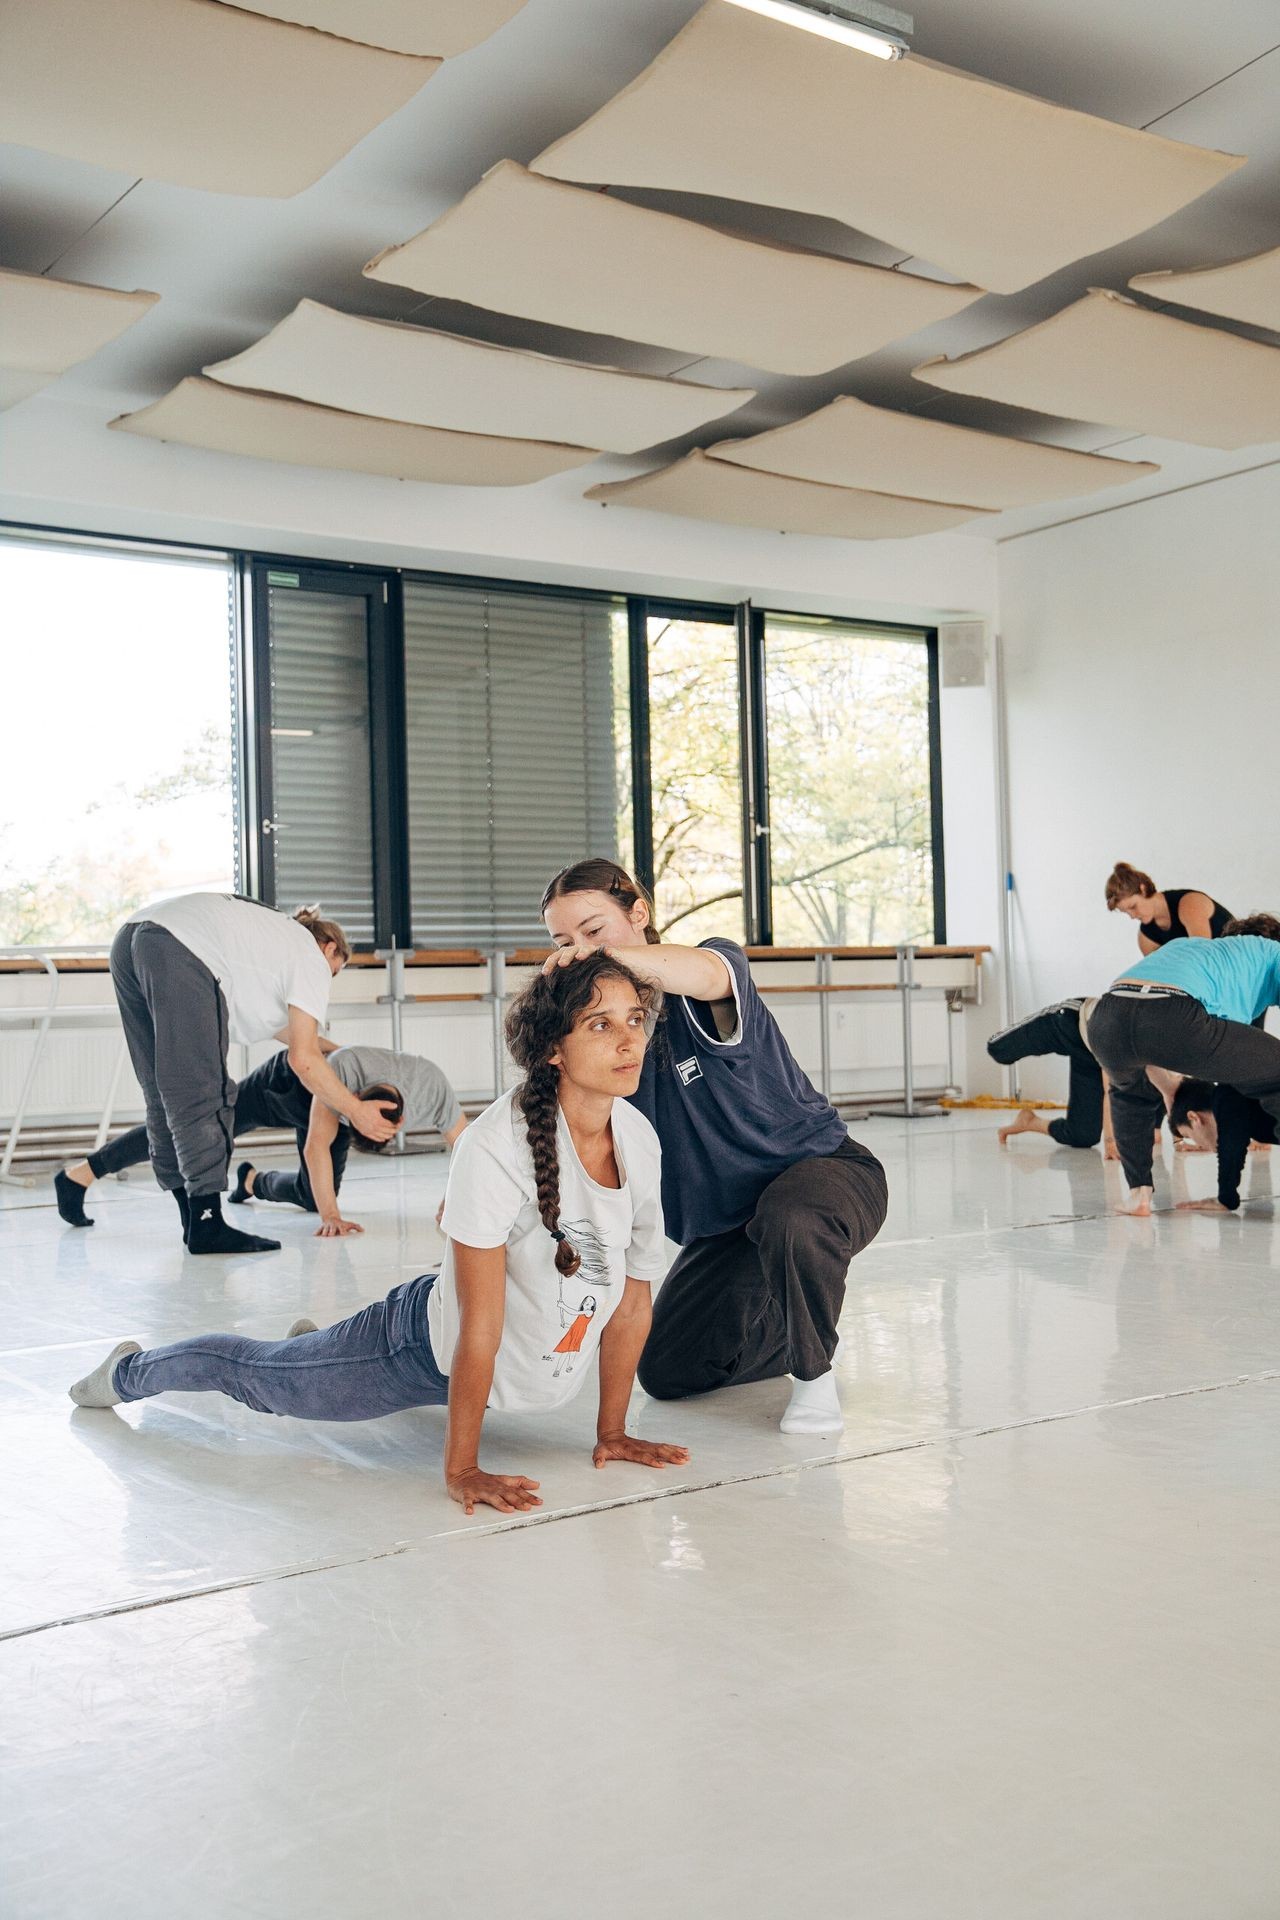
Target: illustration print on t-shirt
{"x": 566, "y": 1352}
{"x": 577, "y": 1313}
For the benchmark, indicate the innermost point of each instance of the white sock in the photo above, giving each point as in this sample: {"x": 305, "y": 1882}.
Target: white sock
{"x": 814, "y": 1406}
{"x": 97, "y": 1389}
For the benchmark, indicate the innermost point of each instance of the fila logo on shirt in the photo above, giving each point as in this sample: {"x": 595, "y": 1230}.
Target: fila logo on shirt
{"x": 688, "y": 1070}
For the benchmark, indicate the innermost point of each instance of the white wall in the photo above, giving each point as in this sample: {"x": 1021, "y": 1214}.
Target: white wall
{"x": 63, "y": 468}
{"x": 1142, "y": 650}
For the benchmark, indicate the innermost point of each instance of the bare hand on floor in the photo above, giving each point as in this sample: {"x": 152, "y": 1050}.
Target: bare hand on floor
{"x": 640, "y": 1453}
{"x": 505, "y": 1492}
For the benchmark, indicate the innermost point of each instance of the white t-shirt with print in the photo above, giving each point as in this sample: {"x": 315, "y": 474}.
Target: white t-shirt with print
{"x": 552, "y": 1325}
{"x": 264, "y": 962}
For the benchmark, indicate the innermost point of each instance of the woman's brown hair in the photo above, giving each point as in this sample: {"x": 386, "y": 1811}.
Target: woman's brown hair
{"x": 1124, "y": 880}
{"x": 602, "y": 876}
{"x": 322, "y": 931}
{"x": 538, "y": 1021}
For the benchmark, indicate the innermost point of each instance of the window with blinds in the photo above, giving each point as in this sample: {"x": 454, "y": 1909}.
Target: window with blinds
{"x": 320, "y": 824}
{"x": 518, "y": 741}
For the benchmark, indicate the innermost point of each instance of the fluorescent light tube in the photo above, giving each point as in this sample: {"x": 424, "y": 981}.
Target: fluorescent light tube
{"x": 789, "y": 13}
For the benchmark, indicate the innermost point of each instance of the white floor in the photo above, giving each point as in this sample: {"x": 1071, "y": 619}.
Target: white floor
{"x": 1006, "y": 1652}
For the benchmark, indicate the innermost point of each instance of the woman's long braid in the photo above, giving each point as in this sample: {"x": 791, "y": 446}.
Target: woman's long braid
{"x": 539, "y": 1101}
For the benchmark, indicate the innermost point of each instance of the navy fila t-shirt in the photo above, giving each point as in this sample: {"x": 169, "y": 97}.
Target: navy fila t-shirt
{"x": 731, "y": 1114}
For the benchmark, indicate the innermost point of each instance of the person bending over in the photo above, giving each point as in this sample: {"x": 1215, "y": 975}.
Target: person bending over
{"x": 1224, "y": 1121}
{"x": 1056, "y": 1029}
{"x": 1176, "y": 913}
{"x": 190, "y": 976}
{"x": 1187, "y": 1010}
{"x": 553, "y": 1224}
{"x": 414, "y": 1090}
{"x": 768, "y": 1196}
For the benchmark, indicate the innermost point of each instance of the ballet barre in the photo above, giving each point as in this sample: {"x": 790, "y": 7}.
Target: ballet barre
{"x": 42, "y": 1019}
{"x": 498, "y": 972}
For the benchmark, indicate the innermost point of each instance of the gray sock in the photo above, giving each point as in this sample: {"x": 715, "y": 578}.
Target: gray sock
{"x": 97, "y": 1389}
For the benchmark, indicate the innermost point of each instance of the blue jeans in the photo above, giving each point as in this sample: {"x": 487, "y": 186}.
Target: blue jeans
{"x": 379, "y": 1361}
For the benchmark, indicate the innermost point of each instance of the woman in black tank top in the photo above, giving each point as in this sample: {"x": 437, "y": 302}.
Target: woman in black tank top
{"x": 1176, "y": 913}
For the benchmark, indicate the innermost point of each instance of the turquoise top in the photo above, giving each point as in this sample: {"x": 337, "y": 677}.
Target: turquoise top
{"x": 1236, "y": 977}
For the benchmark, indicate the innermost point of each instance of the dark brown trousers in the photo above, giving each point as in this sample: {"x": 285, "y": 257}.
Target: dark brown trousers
{"x": 764, "y": 1298}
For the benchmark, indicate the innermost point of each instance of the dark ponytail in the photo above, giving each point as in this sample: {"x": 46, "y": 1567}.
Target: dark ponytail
{"x": 603, "y": 876}
{"x": 537, "y": 1022}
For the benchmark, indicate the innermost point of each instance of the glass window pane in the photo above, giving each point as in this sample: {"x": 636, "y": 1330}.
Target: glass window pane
{"x": 696, "y": 770}
{"x": 518, "y": 723}
{"x": 849, "y": 797}
{"x": 321, "y": 811}
{"x": 126, "y": 795}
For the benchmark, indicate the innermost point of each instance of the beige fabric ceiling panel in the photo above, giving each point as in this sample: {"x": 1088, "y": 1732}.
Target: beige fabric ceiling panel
{"x": 440, "y": 380}
{"x": 1246, "y": 290}
{"x": 200, "y": 413}
{"x": 998, "y": 187}
{"x": 700, "y": 488}
{"x": 522, "y": 244}
{"x": 851, "y": 444}
{"x": 193, "y": 92}
{"x": 439, "y": 27}
{"x": 1107, "y": 359}
{"x": 48, "y": 325}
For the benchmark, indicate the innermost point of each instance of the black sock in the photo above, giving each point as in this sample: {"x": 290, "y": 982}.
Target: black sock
{"x": 70, "y": 1195}
{"x": 209, "y": 1232}
{"x": 241, "y": 1192}
{"x": 184, "y": 1208}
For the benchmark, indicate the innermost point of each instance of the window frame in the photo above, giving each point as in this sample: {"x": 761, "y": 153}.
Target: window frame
{"x": 757, "y": 744}
{"x": 251, "y": 719}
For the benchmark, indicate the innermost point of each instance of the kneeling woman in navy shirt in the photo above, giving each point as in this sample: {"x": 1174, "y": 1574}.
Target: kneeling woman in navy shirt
{"x": 766, "y": 1193}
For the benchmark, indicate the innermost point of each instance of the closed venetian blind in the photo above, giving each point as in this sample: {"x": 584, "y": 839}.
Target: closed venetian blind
{"x": 509, "y": 706}
{"x": 321, "y": 809}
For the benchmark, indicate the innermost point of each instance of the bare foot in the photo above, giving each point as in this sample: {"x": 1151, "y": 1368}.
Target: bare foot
{"x": 1201, "y": 1206}
{"x": 1139, "y": 1207}
{"x": 1259, "y": 1146}
{"x": 1110, "y": 1151}
{"x": 1028, "y": 1121}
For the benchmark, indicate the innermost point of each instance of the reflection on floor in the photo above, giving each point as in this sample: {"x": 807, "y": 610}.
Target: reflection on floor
{"x": 1007, "y": 1648}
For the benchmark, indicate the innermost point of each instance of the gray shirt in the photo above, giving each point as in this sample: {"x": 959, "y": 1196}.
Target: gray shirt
{"x": 430, "y": 1103}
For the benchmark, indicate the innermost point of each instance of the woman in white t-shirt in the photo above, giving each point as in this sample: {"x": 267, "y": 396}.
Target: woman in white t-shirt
{"x": 557, "y": 1181}
{"x": 193, "y": 974}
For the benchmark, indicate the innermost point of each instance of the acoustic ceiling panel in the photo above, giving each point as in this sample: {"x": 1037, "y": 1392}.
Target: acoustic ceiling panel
{"x": 200, "y": 413}
{"x": 700, "y": 488}
{"x": 522, "y": 244}
{"x": 439, "y": 380}
{"x": 1243, "y": 290}
{"x": 1106, "y": 359}
{"x": 48, "y": 325}
{"x": 851, "y": 444}
{"x": 439, "y": 27}
{"x": 998, "y": 187}
{"x": 192, "y": 91}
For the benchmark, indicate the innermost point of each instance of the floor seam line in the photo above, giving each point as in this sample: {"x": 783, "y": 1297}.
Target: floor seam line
{"x": 949, "y": 1437}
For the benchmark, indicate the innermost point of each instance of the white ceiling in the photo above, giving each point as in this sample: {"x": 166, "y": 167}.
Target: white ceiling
{"x": 229, "y": 268}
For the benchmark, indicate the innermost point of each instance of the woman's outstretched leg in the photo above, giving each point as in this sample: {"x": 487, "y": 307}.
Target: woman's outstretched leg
{"x": 376, "y": 1362}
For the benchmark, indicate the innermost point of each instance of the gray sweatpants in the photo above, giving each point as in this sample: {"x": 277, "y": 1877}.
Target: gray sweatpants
{"x": 175, "y": 1024}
